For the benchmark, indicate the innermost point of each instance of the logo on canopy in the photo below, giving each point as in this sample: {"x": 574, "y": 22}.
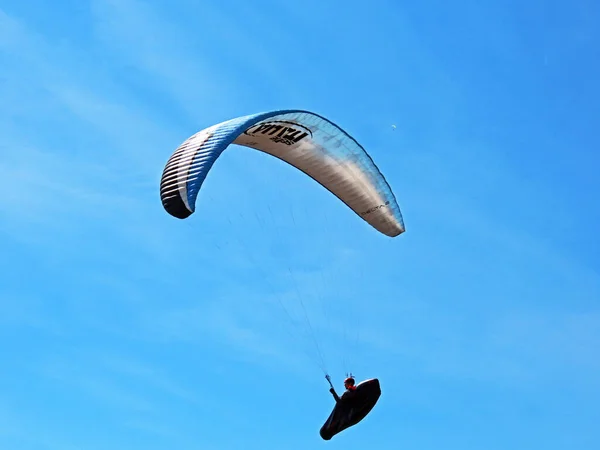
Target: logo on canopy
{"x": 280, "y": 131}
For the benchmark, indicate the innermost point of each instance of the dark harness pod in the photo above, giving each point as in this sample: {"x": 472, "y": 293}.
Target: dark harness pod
{"x": 351, "y": 409}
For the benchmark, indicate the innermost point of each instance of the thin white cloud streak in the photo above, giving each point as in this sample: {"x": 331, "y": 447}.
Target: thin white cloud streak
{"x": 101, "y": 388}
{"x": 27, "y": 311}
{"x": 243, "y": 327}
{"x": 146, "y": 374}
{"x": 54, "y": 183}
{"x": 111, "y": 371}
{"x": 55, "y": 195}
{"x": 53, "y": 200}
{"x": 16, "y": 431}
{"x": 42, "y": 74}
{"x": 95, "y": 100}
{"x": 9, "y": 425}
{"x": 157, "y": 428}
{"x": 570, "y": 340}
{"x": 191, "y": 70}
{"x": 503, "y": 239}
{"x": 135, "y": 394}
{"x": 519, "y": 346}
{"x": 42, "y": 186}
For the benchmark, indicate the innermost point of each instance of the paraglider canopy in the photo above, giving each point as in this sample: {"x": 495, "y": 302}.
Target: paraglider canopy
{"x": 308, "y": 142}
{"x": 347, "y": 413}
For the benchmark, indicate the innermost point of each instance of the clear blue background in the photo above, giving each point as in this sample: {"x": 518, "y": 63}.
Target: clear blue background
{"x": 123, "y": 328}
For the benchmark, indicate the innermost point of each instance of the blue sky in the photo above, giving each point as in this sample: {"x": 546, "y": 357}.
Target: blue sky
{"x": 124, "y": 328}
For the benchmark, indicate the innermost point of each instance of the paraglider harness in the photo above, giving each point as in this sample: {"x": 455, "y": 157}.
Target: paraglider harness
{"x": 352, "y": 407}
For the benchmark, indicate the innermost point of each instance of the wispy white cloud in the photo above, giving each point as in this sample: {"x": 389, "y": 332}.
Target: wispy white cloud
{"x": 135, "y": 392}
{"x": 8, "y": 423}
{"x": 100, "y": 387}
{"x": 192, "y": 71}
{"x": 26, "y": 311}
{"x": 569, "y": 342}
{"x": 146, "y": 374}
{"x": 233, "y": 321}
{"x": 106, "y": 165}
{"x": 523, "y": 348}
{"x": 119, "y": 155}
{"x": 155, "y": 428}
